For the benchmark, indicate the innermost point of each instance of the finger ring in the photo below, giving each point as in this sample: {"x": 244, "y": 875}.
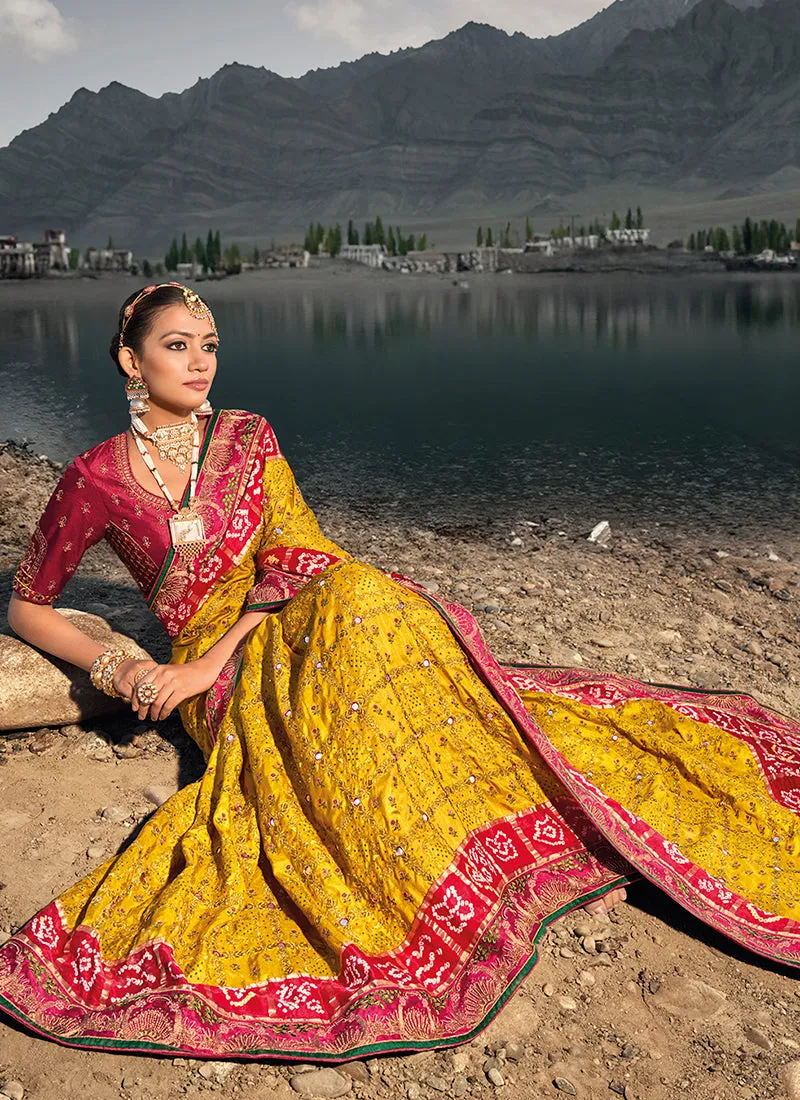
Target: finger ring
{"x": 147, "y": 693}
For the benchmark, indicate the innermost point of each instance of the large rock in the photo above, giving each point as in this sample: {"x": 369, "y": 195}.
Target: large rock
{"x": 37, "y": 690}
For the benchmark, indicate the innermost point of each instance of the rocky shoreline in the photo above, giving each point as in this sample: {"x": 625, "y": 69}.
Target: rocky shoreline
{"x": 648, "y": 1005}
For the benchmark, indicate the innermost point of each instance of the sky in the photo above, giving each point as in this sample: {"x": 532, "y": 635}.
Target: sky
{"x": 50, "y": 48}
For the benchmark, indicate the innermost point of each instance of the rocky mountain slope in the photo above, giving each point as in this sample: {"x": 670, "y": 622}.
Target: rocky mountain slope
{"x": 478, "y": 121}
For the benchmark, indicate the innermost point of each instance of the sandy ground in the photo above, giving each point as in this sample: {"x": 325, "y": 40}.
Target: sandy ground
{"x": 647, "y": 1006}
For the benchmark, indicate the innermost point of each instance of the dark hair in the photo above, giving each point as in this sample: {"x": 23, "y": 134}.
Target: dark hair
{"x": 142, "y": 318}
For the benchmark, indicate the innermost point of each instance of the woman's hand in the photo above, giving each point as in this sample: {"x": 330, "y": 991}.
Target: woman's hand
{"x": 174, "y": 683}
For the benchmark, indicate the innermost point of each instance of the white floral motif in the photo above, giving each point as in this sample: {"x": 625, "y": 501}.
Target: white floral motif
{"x": 479, "y": 867}
{"x": 674, "y": 852}
{"x": 502, "y": 847}
{"x": 86, "y": 965}
{"x": 548, "y": 831}
{"x": 355, "y": 972}
{"x": 44, "y": 929}
{"x": 454, "y": 910}
{"x": 291, "y": 997}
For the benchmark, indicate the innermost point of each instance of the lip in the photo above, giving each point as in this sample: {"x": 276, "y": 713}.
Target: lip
{"x": 196, "y": 385}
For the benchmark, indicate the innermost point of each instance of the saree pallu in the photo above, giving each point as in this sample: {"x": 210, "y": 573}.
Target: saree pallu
{"x": 388, "y": 821}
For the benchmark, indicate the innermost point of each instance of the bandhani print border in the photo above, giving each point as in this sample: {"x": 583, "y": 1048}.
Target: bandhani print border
{"x": 472, "y": 942}
{"x": 645, "y": 849}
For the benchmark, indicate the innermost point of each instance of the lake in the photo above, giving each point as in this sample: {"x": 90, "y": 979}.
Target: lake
{"x": 638, "y": 400}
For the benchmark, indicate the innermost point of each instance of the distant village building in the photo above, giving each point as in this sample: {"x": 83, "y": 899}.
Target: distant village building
{"x": 372, "y": 255}
{"x": 52, "y": 253}
{"x": 108, "y": 259}
{"x": 287, "y": 257}
{"x": 17, "y": 259}
{"x": 628, "y": 236}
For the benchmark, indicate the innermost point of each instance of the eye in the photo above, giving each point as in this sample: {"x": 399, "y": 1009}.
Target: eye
{"x": 212, "y": 347}
{"x": 177, "y": 345}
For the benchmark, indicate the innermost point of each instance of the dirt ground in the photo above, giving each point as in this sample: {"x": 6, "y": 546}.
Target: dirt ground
{"x": 648, "y": 1005}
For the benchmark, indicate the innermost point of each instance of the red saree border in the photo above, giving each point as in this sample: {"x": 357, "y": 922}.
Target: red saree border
{"x": 471, "y": 942}
{"x": 707, "y": 898}
{"x": 772, "y": 737}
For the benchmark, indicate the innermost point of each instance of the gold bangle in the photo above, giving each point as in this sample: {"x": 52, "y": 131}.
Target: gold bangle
{"x": 104, "y": 667}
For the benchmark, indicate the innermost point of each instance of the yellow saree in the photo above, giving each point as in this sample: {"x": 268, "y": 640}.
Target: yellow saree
{"x": 388, "y": 818}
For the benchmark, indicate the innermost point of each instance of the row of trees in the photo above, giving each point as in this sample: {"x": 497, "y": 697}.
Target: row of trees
{"x": 511, "y": 237}
{"x": 319, "y": 239}
{"x": 747, "y": 239}
{"x": 208, "y": 254}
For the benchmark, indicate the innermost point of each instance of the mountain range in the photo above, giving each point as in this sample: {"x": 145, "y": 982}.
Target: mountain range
{"x": 699, "y": 94}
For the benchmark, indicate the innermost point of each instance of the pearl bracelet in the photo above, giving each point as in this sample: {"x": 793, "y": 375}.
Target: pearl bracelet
{"x": 103, "y": 668}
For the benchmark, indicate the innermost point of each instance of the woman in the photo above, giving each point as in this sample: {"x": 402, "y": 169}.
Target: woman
{"x": 389, "y": 818}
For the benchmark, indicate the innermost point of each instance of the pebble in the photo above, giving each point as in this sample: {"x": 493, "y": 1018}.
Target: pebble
{"x": 548, "y": 989}
{"x": 563, "y": 1084}
{"x": 438, "y": 1084}
{"x": 357, "y": 1070}
{"x": 517, "y": 541}
{"x": 759, "y": 1037}
{"x": 460, "y": 1061}
{"x": 566, "y": 953}
{"x": 496, "y": 1077}
{"x": 95, "y": 852}
{"x": 460, "y": 1086}
{"x": 413, "y": 1092}
{"x": 515, "y": 1052}
{"x": 321, "y": 1082}
{"x": 567, "y": 1004}
{"x": 790, "y": 1075}
{"x": 13, "y": 1090}
{"x": 589, "y": 945}
{"x": 587, "y": 979}
{"x": 115, "y": 814}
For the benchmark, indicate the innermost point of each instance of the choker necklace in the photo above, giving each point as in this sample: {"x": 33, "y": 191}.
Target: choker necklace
{"x": 172, "y": 441}
{"x": 186, "y": 528}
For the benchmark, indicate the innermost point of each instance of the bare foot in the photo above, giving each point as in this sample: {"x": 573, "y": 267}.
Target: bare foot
{"x": 600, "y": 906}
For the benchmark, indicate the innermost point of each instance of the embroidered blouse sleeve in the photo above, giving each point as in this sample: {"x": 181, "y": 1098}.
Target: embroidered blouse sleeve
{"x": 75, "y": 519}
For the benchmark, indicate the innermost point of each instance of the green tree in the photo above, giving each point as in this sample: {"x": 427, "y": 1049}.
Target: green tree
{"x": 199, "y": 251}
{"x": 691, "y": 244}
{"x": 310, "y": 241}
{"x": 379, "y": 235}
{"x": 209, "y": 251}
{"x": 186, "y": 257}
{"x": 256, "y": 256}
{"x": 422, "y": 243}
{"x": 351, "y": 232}
{"x": 391, "y": 243}
{"x": 74, "y": 259}
{"x": 369, "y": 234}
{"x": 736, "y": 240}
{"x": 110, "y": 245}
{"x": 489, "y": 239}
{"x": 217, "y": 248}
{"x": 528, "y": 229}
{"x": 615, "y": 222}
{"x": 147, "y": 269}
{"x": 336, "y": 240}
{"x": 639, "y": 218}
{"x": 479, "y": 236}
{"x": 171, "y": 258}
{"x": 747, "y": 236}
{"x": 158, "y": 269}
{"x": 629, "y": 219}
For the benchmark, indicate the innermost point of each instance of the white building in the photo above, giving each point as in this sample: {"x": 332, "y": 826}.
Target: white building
{"x": 372, "y": 255}
{"x": 17, "y": 259}
{"x": 628, "y": 236}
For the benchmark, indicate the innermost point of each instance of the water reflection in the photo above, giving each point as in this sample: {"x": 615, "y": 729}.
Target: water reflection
{"x": 629, "y": 394}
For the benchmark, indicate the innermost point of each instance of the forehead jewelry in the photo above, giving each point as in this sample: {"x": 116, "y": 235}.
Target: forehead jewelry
{"x": 192, "y": 300}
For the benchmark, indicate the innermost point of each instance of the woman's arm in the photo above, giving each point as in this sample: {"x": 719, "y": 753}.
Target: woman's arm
{"x": 40, "y": 625}
{"x": 175, "y": 683}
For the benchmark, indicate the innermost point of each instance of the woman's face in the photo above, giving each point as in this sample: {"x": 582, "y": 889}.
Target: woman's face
{"x": 178, "y": 360}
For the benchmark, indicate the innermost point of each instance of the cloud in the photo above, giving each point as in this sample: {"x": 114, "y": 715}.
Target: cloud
{"x": 367, "y": 25}
{"x": 36, "y": 27}
{"x": 381, "y": 25}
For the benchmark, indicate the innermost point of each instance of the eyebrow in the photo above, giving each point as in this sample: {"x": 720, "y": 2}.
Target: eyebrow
{"x": 188, "y": 335}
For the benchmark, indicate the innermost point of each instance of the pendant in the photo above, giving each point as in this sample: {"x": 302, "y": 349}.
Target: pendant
{"x": 188, "y": 533}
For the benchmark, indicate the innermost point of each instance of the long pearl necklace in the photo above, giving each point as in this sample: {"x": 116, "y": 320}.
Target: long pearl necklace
{"x": 186, "y": 527}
